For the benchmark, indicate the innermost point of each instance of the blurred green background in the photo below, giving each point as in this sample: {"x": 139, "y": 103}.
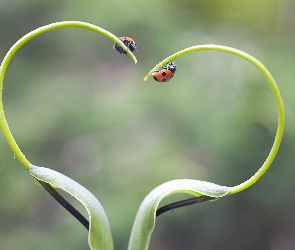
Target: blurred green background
{"x": 76, "y": 106}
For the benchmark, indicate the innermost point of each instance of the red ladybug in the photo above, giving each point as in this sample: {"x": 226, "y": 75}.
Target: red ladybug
{"x": 129, "y": 42}
{"x": 165, "y": 73}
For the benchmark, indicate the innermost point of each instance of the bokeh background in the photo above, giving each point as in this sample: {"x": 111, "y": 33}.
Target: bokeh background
{"x": 76, "y": 106}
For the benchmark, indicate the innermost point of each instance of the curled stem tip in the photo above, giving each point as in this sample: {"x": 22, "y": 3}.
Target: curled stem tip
{"x": 3, "y": 123}
{"x": 274, "y": 88}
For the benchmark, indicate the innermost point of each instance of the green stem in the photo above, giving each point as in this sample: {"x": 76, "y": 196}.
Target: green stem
{"x": 3, "y": 123}
{"x": 274, "y": 88}
{"x": 62, "y": 201}
{"x": 182, "y": 203}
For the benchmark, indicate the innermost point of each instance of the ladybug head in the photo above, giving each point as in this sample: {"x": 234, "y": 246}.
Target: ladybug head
{"x": 172, "y": 67}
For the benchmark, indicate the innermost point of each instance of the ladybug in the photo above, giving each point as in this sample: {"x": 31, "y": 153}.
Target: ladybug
{"x": 129, "y": 42}
{"x": 165, "y": 73}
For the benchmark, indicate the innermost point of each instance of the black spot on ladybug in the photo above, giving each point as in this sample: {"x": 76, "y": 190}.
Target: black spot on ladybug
{"x": 155, "y": 78}
{"x": 163, "y": 73}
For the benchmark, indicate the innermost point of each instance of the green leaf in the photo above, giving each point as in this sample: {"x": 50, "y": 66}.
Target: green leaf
{"x": 144, "y": 223}
{"x": 99, "y": 237}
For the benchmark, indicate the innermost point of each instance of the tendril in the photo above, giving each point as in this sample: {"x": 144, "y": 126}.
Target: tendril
{"x": 3, "y": 123}
{"x": 276, "y": 93}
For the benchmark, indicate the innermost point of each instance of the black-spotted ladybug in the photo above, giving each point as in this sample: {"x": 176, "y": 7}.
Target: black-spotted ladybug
{"x": 129, "y": 42}
{"x": 165, "y": 73}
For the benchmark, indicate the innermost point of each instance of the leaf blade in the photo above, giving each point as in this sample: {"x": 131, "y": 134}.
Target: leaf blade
{"x": 99, "y": 237}
{"x": 144, "y": 223}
